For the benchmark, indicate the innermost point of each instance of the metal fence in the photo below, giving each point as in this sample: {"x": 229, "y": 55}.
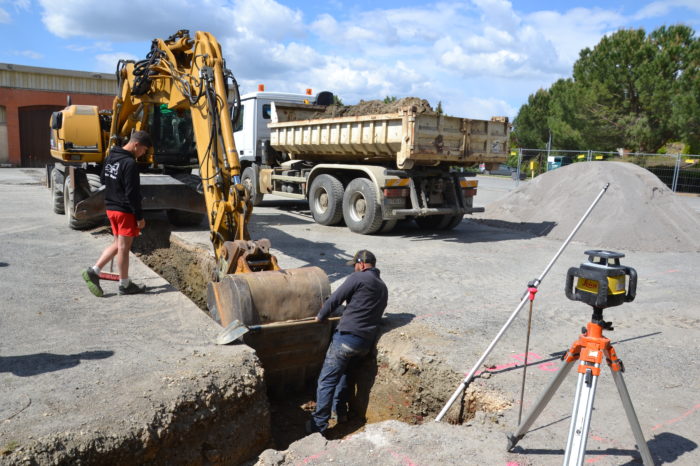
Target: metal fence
{"x": 679, "y": 172}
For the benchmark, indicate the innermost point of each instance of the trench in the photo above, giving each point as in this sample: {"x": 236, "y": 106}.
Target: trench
{"x": 401, "y": 380}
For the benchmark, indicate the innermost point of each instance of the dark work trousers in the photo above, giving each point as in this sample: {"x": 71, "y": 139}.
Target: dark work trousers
{"x": 332, "y": 388}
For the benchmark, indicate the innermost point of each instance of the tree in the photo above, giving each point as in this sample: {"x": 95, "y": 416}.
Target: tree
{"x": 530, "y": 126}
{"x": 631, "y": 90}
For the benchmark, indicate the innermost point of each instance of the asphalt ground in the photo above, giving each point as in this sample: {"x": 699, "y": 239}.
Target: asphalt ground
{"x": 457, "y": 290}
{"x": 69, "y": 360}
{"x": 71, "y": 363}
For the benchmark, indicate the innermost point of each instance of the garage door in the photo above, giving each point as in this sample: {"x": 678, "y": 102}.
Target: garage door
{"x": 34, "y": 134}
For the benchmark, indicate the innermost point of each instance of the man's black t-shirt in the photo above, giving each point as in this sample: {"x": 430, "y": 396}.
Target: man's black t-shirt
{"x": 120, "y": 175}
{"x": 366, "y": 297}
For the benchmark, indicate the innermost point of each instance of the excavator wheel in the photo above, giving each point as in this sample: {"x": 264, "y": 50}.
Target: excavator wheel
{"x": 57, "y": 192}
{"x": 271, "y": 296}
{"x": 72, "y": 196}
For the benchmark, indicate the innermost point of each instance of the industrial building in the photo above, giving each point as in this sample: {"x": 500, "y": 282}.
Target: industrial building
{"x": 28, "y": 96}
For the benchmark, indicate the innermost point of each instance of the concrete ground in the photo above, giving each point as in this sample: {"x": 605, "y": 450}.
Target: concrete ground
{"x": 111, "y": 380}
{"x": 451, "y": 291}
{"x": 458, "y": 289}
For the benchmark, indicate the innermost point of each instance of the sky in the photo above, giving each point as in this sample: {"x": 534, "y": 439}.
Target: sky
{"x": 479, "y": 58}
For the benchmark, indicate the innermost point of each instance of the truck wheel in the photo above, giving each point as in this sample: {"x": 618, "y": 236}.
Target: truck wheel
{"x": 326, "y": 200}
{"x": 433, "y": 222}
{"x": 451, "y": 221}
{"x": 184, "y": 218}
{"x": 57, "y": 192}
{"x": 361, "y": 210}
{"x": 387, "y": 226}
{"x": 249, "y": 180}
{"x": 71, "y": 198}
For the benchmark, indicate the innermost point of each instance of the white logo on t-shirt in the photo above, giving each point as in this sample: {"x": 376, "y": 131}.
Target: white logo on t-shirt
{"x": 112, "y": 170}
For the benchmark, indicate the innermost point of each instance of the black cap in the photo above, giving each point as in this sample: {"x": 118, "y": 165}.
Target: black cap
{"x": 363, "y": 255}
{"x": 142, "y": 138}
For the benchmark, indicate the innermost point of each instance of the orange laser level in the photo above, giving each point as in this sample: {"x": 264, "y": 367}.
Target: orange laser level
{"x": 601, "y": 284}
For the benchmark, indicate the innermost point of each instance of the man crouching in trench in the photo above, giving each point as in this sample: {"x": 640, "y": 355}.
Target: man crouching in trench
{"x": 365, "y": 295}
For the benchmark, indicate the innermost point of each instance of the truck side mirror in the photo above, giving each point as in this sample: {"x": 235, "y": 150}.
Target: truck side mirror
{"x": 56, "y": 120}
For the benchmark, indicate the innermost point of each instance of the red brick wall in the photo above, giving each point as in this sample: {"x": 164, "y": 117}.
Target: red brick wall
{"x": 13, "y": 99}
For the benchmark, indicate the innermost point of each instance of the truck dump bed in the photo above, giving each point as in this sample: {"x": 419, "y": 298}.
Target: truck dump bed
{"x": 406, "y": 138}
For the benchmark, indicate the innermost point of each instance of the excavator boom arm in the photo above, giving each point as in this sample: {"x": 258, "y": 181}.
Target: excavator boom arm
{"x": 189, "y": 74}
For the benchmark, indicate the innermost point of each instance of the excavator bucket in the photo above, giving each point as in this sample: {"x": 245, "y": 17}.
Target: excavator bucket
{"x": 270, "y": 296}
{"x": 273, "y": 313}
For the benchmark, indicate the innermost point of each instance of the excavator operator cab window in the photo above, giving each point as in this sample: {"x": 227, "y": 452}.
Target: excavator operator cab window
{"x": 267, "y": 111}
{"x": 172, "y": 134}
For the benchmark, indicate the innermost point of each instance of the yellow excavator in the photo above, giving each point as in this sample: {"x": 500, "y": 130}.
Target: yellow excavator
{"x": 184, "y": 96}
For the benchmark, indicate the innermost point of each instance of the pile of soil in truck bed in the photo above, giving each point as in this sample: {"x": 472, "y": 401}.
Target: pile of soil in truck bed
{"x": 375, "y": 107}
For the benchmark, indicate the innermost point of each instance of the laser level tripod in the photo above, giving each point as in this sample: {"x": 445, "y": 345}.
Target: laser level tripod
{"x": 601, "y": 283}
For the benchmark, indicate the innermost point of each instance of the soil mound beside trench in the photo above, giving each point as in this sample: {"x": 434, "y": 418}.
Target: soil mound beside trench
{"x": 638, "y": 212}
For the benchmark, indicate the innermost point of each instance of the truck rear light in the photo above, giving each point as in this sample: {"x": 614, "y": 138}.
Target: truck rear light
{"x": 395, "y": 192}
{"x": 469, "y": 192}
{"x": 468, "y": 183}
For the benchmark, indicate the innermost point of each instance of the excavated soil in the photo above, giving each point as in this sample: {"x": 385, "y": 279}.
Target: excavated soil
{"x": 375, "y": 107}
{"x": 638, "y": 212}
{"x": 402, "y": 380}
{"x": 187, "y": 267}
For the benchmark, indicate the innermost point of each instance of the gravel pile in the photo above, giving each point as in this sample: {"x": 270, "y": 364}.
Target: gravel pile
{"x": 638, "y": 212}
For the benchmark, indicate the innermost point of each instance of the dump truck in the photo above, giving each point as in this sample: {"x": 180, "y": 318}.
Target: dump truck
{"x": 369, "y": 170}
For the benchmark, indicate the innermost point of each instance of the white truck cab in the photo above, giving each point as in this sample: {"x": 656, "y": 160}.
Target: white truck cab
{"x": 250, "y": 130}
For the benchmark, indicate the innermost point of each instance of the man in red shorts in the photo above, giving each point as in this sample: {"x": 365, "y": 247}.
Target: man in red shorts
{"x": 120, "y": 175}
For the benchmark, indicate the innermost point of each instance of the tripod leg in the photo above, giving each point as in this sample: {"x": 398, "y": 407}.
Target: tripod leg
{"x": 632, "y": 418}
{"x": 581, "y": 415}
{"x": 559, "y": 377}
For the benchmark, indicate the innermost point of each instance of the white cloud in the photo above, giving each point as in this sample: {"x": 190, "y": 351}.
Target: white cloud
{"x": 481, "y": 108}
{"x": 4, "y": 16}
{"x": 662, "y": 8}
{"x": 139, "y": 20}
{"x": 450, "y": 51}
{"x": 136, "y": 20}
{"x": 575, "y": 29}
{"x": 99, "y": 46}
{"x": 266, "y": 19}
{"x": 498, "y": 14}
{"x": 107, "y": 62}
{"x": 28, "y": 54}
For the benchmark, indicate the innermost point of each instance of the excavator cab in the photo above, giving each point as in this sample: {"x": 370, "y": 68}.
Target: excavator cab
{"x": 173, "y": 136}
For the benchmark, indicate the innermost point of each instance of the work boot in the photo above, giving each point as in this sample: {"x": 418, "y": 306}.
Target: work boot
{"x": 93, "y": 282}
{"x": 132, "y": 288}
{"x": 339, "y": 418}
{"x": 311, "y": 428}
